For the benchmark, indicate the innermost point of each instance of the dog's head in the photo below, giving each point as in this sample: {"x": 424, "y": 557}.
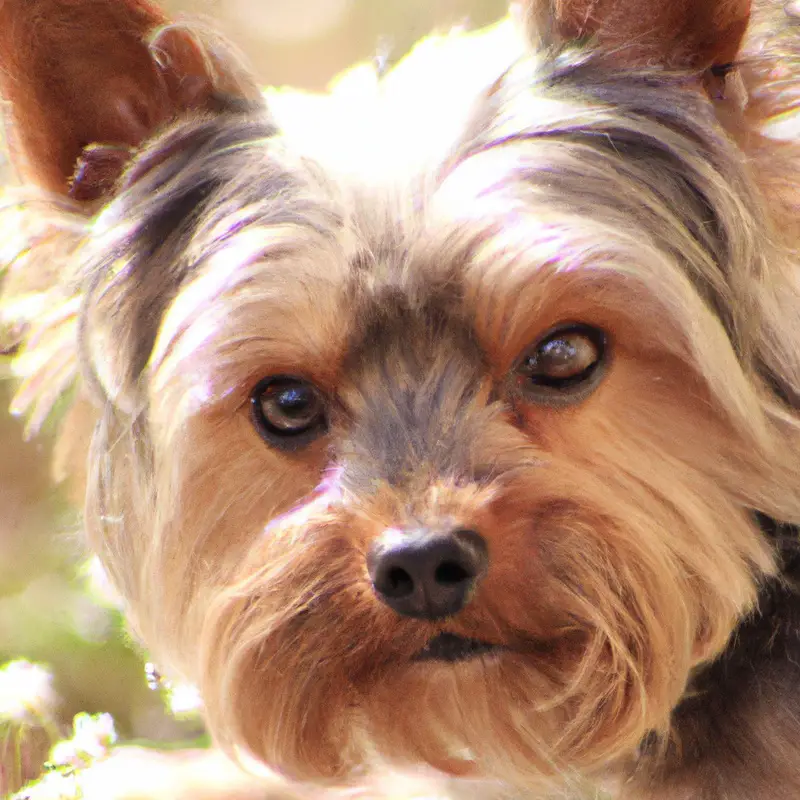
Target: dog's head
{"x": 450, "y": 455}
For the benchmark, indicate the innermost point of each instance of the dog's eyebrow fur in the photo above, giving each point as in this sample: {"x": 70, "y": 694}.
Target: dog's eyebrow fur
{"x": 641, "y": 146}
{"x": 182, "y": 201}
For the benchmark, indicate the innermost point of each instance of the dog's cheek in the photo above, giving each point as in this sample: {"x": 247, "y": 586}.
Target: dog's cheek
{"x": 300, "y": 605}
{"x": 623, "y": 510}
{"x": 215, "y": 487}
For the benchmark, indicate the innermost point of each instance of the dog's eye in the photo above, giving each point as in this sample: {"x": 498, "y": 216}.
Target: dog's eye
{"x": 288, "y": 412}
{"x": 563, "y": 366}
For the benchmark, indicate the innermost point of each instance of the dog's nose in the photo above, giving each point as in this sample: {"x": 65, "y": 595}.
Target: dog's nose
{"x": 424, "y": 574}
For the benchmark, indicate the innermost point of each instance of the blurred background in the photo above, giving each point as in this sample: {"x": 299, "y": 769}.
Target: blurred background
{"x": 66, "y": 645}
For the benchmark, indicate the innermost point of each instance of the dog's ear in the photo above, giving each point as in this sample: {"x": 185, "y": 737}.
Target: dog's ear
{"x": 694, "y": 34}
{"x": 88, "y": 80}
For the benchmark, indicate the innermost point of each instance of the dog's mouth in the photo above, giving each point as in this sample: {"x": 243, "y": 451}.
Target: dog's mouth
{"x": 451, "y": 648}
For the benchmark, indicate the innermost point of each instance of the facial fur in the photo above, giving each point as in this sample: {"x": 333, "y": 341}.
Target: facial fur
{"x": 620, "y": 524}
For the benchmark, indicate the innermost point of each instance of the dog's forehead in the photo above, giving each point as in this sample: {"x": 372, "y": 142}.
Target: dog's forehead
{"x": 384, "y": 128}
{"x": 491, "y": 212}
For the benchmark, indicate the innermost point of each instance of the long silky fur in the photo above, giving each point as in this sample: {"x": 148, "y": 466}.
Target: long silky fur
{"x": 625, "y": 551}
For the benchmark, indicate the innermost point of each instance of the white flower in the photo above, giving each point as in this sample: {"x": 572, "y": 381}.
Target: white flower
{"x": 26, "y": 693}
{"x": 54, "y": 786}
{"x": 64, "y": 753}
{"x": 94, "y": 735}
{"x": 92, "y": 739}
{"x": 184, "y": 699}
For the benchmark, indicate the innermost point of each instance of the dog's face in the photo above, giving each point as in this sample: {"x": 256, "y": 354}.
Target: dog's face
{"x": 456, "y": 465}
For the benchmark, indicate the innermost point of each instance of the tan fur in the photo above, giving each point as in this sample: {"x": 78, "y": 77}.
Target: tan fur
{"x": 623, "y": 548}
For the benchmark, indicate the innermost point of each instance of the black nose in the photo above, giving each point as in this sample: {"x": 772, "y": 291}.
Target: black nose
{"x": 427, "y": 575}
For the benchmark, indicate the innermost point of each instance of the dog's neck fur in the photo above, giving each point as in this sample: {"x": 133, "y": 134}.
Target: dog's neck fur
{"x": 735, "y": 731}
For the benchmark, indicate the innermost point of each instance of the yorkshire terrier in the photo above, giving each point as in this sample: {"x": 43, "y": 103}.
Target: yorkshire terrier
{"x": 451, "y": 418}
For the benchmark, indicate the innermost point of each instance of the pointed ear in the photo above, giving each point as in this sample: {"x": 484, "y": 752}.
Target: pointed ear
{"x": 88, "y": 80}
{"x": 694, "y": 34}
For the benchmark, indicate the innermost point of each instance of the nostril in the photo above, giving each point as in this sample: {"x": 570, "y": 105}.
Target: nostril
{"x": 450, "y": 573}
{"x": 398, "y": 583}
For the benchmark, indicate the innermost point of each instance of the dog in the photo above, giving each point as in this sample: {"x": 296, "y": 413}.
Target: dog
{"x": 448, "y": 419}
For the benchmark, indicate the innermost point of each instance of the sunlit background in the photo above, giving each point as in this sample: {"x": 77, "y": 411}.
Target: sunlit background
{"x": 67, "y": 646}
